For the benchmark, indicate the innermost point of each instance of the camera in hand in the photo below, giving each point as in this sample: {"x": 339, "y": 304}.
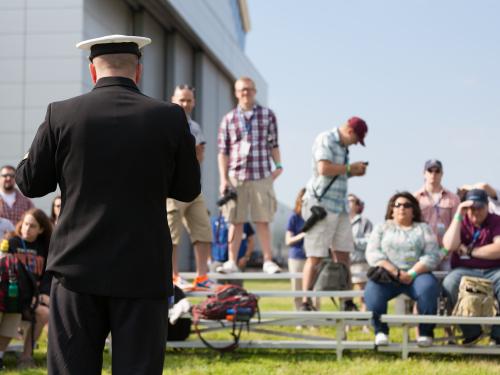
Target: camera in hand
{"x": 317, "y": 213}
{"x": 229, "y": 194}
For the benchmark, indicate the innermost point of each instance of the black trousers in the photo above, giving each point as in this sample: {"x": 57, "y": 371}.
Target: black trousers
{"x": 79, "y": 324}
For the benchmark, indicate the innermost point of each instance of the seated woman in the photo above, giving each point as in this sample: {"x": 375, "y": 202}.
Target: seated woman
{"x": 408, "y": 250}
{"x": 30, "y": 244}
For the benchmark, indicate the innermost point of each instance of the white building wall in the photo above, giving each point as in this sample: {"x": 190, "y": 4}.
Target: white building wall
{"x": 154, "y": 70}
{"x": 40, "y": 65}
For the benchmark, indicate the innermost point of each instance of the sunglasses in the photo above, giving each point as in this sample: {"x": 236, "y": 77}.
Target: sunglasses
{"x": 11, "y": 175}
{"x": 405, "y": 205}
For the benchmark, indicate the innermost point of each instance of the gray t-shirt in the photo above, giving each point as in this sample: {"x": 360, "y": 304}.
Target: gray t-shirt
{"x": 196, "y": 131}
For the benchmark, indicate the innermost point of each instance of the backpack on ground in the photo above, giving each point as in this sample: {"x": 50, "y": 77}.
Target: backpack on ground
{"x": 475, "y": 298}
{"x": 230, "y": 303}
{"x": 331, "y": 276}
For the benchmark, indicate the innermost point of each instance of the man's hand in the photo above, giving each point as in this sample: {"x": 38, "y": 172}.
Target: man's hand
{"x": 200, "y": 152}
{"x": 462, "y": 250}
{"x": 462, "y": 207}
{"x": 224, "y": 185}
{"x": 275, "y": 174}
{"x": 358, "y": 169}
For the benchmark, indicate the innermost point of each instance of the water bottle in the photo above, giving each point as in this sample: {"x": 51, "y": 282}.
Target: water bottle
{"x": 12, "y": 297}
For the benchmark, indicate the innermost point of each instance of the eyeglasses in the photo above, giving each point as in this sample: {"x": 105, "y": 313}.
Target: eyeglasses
{"x": 11, "y": 175}
{"x": 246, "y": 89}
{"x": 405, "y": 205}
{"x": 432, "y": 170}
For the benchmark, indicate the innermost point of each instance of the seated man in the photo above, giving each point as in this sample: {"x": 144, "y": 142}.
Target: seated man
{"x": 221, "y": 233}
{"x": 493, "y": 195}
{"x": 474, "y": 238}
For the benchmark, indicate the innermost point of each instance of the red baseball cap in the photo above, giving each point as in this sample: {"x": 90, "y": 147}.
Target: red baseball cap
{"x": 360, "y": 128}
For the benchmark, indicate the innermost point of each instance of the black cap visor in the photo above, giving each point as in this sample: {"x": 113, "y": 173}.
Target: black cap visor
{"x": 110, "y": 48}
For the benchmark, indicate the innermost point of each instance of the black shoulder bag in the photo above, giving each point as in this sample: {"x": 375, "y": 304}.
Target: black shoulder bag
{"x": 318, "y": 212}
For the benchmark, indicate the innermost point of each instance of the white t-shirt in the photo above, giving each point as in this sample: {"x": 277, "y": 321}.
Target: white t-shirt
{"x": 8, "y": 198}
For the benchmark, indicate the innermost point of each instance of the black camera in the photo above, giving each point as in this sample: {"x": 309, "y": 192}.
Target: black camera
{"x": 229, "y": 194}
{"x": 317, "y": 213}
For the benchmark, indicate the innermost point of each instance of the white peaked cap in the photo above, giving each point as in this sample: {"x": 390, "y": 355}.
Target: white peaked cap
{"x": 139, "y": 40}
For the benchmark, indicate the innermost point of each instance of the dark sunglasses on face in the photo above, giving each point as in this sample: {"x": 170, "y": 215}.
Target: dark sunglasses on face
{"x": 405, "y": 205}
{"x": 11, "y": 175}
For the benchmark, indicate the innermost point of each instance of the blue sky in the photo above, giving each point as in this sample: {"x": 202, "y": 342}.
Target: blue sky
{"x": 425, "y": 75}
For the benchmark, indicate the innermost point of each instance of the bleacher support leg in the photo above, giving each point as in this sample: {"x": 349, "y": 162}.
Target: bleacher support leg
{"x": 339, "y": 323}
{"x": 406, "y": 339}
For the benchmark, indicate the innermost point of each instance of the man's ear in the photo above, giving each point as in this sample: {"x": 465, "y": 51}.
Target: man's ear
{"x": 93, "y": 73}
{"x": 138, "y": 73}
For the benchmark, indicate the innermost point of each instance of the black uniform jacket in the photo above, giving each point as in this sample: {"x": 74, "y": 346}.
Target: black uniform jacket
{"x": 116, "y": 155}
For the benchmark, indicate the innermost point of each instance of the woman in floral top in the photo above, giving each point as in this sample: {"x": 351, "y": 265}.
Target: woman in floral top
{"x": 408, "y": 250}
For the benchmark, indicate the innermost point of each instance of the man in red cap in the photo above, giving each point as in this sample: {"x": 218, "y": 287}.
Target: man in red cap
{"x": 327, "y": 188}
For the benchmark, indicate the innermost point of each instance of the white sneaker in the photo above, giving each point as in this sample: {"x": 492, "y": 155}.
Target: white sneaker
{"x": 228, "y": 267}
{"x": 381, "y": 339}
{"x": 270, "y": 267}
{"x": 424, "y": 341}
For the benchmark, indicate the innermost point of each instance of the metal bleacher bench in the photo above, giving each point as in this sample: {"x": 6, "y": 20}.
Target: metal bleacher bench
{"x": 339, "y": 319}
{"x": 408, "y": 321}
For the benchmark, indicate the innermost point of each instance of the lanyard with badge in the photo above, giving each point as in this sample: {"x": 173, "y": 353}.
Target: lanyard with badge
{"x": 441, "y": 228}
{"x": 245, "y": 142}
{"x": 30, "y": 258}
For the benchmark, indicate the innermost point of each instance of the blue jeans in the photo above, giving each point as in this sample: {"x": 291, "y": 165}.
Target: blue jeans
{"x": 451, "y": 284}
{"x": 424, "y": 289}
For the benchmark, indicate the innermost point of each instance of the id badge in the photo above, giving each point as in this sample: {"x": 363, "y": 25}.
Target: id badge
{"x": 245, "y": 148}
{"x": 441, "y": 228}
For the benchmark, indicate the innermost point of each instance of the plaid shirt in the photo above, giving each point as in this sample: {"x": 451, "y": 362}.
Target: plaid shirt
{"x": 14, "y": 213}
{"x": 327, "y": 146}
{"x": 260, "y": 131}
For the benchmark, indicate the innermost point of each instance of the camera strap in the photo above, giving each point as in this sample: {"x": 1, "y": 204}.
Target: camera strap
{"x": 331, "y": 181}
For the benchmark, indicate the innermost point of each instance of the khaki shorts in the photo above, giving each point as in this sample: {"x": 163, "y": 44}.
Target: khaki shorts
{"x": 256, "y": 202}
{"x": 9, "y": 324}
{"x": 333, "y": 232}
{"x": 193, "y": 215}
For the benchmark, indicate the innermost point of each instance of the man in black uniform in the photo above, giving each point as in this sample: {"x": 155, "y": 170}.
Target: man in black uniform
{"x": 115, "y": 162}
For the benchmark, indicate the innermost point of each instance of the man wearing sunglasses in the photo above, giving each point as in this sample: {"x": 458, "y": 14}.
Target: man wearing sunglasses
{"x": 13, "y": 204}
{"x": 473, "y": 239}
{"x": 437, "y": 203}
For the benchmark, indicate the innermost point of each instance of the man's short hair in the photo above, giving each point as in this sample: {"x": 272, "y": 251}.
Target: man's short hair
{"x": 117, "y": 61}
{"x": 8, "y": 166}
{"x": 244, "y": 78}
{"x": 184, "y": 86}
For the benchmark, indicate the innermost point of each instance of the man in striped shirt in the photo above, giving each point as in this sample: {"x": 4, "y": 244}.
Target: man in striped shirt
{"x": 248, "y": 141}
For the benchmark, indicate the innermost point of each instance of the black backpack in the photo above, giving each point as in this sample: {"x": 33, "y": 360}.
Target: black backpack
{"x": 27, "y": 299}
{"x": 182, "y": 328}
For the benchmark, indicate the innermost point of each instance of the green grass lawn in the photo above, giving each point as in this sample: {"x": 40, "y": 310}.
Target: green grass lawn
{"x": 281, "y": 362}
